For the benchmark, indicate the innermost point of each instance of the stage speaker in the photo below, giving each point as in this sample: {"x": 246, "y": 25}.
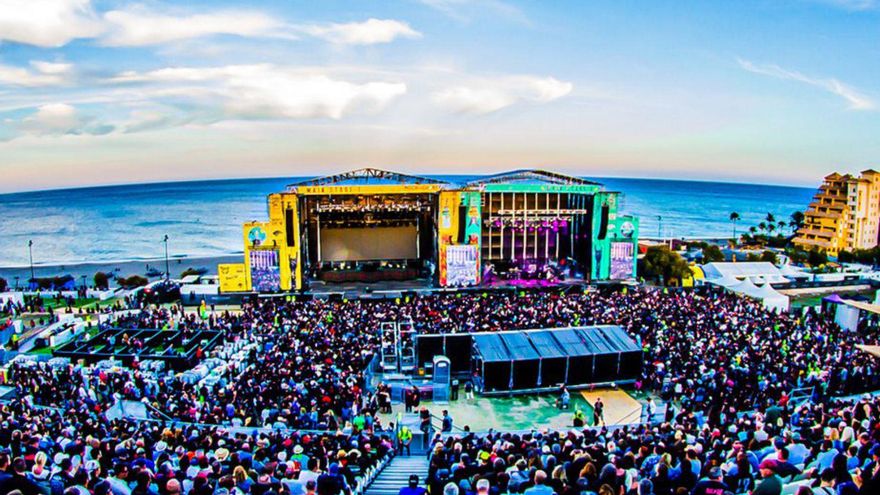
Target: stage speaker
{"x": 462, "y": 223}
{"x": 603, "y": 222}
{"x": 288, "y": 224}
{"x": 441, "y": 379}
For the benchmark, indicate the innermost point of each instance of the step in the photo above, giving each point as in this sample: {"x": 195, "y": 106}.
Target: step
{"x": 396, "y": 475}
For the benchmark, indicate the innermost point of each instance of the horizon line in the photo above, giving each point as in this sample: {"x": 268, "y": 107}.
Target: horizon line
{"x": 281, "y": 177}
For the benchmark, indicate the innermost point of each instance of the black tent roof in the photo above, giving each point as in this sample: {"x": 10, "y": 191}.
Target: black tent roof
{"x": 553, "y": 343}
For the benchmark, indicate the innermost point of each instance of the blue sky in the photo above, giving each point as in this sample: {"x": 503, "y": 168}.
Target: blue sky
{"x": 104, "y": 92}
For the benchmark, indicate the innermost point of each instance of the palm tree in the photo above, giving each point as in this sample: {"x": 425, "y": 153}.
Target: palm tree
{"x": 797, "y": 220}
{"x": 781, "y": 225}
{"x": 762, "y": 226}
{"x": 771, "y": 227}
{"x": 770, "y": 218}
{"x": 734, "y": 217}
{"x": 753, "y": 230}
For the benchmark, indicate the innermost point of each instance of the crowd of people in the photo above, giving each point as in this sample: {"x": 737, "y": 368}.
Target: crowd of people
{"x": 828, "y": 448}
{"x": 712, "y": 354}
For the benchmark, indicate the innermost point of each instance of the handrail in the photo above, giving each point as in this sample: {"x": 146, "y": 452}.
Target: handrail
{"x": 454, "y": 426}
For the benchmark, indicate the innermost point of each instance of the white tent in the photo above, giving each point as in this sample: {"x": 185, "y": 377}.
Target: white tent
{"x": 789, "y": 271}
{"x": 771, "y": 298}
{"x": 725, "y": 281}
{"x": 743, "y": 287}
{"x": 762, "y": 271}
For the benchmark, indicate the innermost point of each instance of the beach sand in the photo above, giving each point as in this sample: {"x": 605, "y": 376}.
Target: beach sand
{"x": 120, "y": 268}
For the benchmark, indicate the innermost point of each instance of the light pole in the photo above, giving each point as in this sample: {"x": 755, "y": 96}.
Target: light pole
{"x": 31, "y": 256}
{"x": 16, "y": 282}
{"x": 167, "y": 270}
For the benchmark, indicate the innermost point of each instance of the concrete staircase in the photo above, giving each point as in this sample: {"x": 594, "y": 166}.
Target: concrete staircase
{"x": 396, "y": 475}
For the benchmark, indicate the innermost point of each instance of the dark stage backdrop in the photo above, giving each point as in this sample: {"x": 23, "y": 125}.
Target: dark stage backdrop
{"x": 375, "y": 243}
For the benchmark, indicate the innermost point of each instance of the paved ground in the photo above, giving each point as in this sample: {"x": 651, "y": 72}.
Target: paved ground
{"x": 524, "y": 412}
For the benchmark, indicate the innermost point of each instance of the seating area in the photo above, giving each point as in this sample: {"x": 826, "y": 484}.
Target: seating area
{"x": 292, "y": 405}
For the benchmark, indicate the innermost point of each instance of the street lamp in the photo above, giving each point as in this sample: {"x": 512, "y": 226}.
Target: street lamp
{"x": 31, "y": 256}
{"x": 84, "y": 281}
{"x": 167, "y": 269}
{"x": 16, "y": 282}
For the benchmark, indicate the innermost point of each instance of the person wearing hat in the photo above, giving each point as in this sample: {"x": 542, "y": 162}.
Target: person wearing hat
{"x": 712, "y": 484}
{"x": 412, "y": 487}
{"x": 771, "y": 483}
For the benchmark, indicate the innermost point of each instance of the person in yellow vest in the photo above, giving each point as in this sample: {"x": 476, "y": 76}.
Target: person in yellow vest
{"x": 580, "y": 418}
{"x": 404, "y": 438}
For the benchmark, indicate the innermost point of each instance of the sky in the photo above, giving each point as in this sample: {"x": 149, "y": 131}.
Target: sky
{"x": 97, "y": 92}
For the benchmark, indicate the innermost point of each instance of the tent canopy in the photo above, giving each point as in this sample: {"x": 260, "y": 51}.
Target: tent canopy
{"x": 491, "y": 347}
{"x": 871, "y": 308}
{"x": 547, "y": 345}
{"x": 755, "y": 270}
{"x": 539, "y": 344}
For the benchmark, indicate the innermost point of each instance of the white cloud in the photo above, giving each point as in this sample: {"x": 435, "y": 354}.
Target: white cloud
{"x": 369, "y": 32}
{"x": 855, "y": 99}
{"x": 47, "y": 23}
{"x": 262, "y": 92}
{"x": 54, "y": 23}
{"x": 490, "y": 95}
{"x": 56, "y": 119}
{"x": 44, "y": 74}
{"x": 139, "y": 27}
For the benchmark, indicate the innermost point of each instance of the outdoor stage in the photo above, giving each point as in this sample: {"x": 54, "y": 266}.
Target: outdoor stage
{"x": 525, "y": 228}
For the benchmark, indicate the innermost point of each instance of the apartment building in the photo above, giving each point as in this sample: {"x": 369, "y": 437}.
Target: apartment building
{"x": 844, "y": 214}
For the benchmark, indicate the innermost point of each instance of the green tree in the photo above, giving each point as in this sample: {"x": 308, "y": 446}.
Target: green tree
{"x": 770, "y": 218}
{"x": 753, "y": 230}
{"x": 102, "y": 280}
{"x": 132, "y": 282}
{"x": 770, "y": 256}
{"x": 816, "y": 258}
{"x": 712, "y": 253}
{"x": 797, "y": 220}
{"x": 762, "y": 226}
{"x": 662, "y": 263}
{"x": 796, "y": 255}
{"x": 781, "y": 225}
{"x": 770, "y": 228}
{"x": 734, "y": 217}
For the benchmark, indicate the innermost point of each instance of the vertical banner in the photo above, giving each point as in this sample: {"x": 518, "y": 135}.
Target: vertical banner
{"x": 622, "y": 259}
{"x": 462, "y": 265}
{"x": 265, "y": 270}
{"x": 474, "y": 226}
{"x": 447, "y": 228}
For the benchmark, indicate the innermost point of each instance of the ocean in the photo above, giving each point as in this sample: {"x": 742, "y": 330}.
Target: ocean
{"x": 203, "y": 218}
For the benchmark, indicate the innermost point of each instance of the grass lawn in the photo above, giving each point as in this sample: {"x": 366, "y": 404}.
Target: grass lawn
{"x": 80, "y": 302}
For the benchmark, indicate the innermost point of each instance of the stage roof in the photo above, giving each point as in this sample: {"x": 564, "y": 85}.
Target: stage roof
{"x": 367, "y": 176}
{"x": 533, "y": 176}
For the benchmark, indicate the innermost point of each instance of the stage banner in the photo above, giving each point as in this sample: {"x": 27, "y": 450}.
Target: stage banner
{"x": 462, "y": 266}
{"x": 473, "y": 227}
{"x": 265, "y": 270}
{"x": 622, "y": 254}
{"x": 447, "y": 228}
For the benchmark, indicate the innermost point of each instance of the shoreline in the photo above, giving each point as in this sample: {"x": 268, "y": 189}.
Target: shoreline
{"x": 177, "y": 265}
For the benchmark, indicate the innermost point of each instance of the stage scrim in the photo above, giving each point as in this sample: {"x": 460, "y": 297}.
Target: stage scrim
{"x": 371, "y": 243}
